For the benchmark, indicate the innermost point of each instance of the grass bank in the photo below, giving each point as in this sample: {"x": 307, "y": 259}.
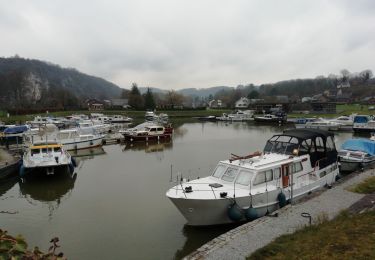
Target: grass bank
{"x": 346, "y": 237}
{"x": 365, "y": 187}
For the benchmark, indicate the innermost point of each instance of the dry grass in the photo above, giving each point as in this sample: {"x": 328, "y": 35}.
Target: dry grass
{"x": 345, "y": 237}
{"x": 365, "y": 187}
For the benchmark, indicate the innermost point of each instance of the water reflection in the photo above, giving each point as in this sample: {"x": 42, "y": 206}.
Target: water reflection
{"x": 7, "y": 184}
{"x": 198, "y": 236}
{"x": 149, "y": 147}
{"x": 87, "y": 153}
{"x": 48, "y": 189}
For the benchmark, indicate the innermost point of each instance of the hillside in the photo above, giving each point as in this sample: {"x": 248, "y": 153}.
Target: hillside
{"x": 27, "y": 82}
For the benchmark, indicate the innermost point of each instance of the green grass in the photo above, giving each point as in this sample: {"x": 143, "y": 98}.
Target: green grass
{"x": 345, "y": 237}
{"x": 365, "y": 187}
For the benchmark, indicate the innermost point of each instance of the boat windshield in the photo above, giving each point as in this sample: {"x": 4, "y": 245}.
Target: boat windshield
{"x": 281, "y": 144}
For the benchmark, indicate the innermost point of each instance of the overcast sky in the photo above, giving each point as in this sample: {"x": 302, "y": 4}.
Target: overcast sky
{"x": 174, "y": 44}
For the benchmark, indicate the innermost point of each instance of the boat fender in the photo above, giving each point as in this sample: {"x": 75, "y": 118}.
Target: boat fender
{"x": 91, "y": 142}
{"x": 234, "y": 212}
{"x": 338, "y": 177}
{"x": 282, "y": 199}
{"x": 74, "y": 162}
{"x": 104, "y": 142}
{"x": 251, "y": 213}
{"x": 22, "y": 171}
{"x": 71, "y": 168}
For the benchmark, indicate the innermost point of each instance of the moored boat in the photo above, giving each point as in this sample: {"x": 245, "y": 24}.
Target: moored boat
{"x": 356, "y": 154}
{"x": 363, "y": 123}
{"x": 240, "y": 115}
{"x": 46, "y": 157}
{"x": 147, "y": 132}
{"x": 279, "y": 118}
{"x": 291, "y": 165}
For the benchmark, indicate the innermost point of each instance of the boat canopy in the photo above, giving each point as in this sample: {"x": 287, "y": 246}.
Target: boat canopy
{"x": 16, "y": 129}
{"x": 363, "y": 145}
{"x": 319, "y": 144}
{"x": 361, "y": 119}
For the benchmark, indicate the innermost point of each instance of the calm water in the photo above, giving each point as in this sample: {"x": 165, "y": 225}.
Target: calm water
{"x": 115, "y": 207}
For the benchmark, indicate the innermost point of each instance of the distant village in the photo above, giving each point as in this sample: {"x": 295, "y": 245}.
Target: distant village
{"x": 320, "y": 103}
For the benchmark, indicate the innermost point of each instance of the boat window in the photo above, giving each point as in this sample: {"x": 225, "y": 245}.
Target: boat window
{"x": 160, "y": 129}
{"x": 319, "y": 144}
{"x": 243, "y": 178}
{"x": 34, "y": 151}
{"x": 219, "y": 171}
{"x": 330, "y": 144}
{"x": 44, "y": 150}
{"x": 296, "y": 167}
{"x": 269, "y": 175}
{"x": 260, "y": 178}
{"x": 229, "y": 174}
{"x": 153, "y": 130}
{"x": 276, "y": 173}
{"x": 57, "y": 149}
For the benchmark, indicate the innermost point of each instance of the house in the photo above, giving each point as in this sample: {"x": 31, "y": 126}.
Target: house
{"x": 243, "y": 102}
{"x": 344, "y": 84}
{"x": 94, "y": 104}
{"x": 120, "y": 103}
{"x": 215, "y": 104}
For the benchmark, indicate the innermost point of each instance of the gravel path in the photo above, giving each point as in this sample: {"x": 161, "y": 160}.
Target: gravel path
{"x": 242, "y": 241}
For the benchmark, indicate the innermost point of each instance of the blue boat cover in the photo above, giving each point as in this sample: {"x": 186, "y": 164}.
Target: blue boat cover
{"x": 361, "y": 119}
{"x": 364, "y": 145}
{"x": 16, "y": 129}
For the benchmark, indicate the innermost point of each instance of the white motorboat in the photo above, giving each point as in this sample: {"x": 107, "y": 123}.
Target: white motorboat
{"x": 147, "y": 131}
{"x": 363, "y": 123}
{"x": 71, "y": 139}
{"x": 240, "y": 115}
{"x": 271, "y": 118}
{"x": 321, "y": 124}
{"x": 93, "y": 126}
{"x": 150, "y": 116}
{"x": 41, "y": 120}
{"x": 356, "y": 154}
{"x": 46, "y": 156}
{"x": 292, "y": 165}
{"x": 119, "y": 119}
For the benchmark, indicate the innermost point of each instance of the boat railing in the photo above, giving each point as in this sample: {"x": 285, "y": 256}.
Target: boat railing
{"x": 317, "y": 163}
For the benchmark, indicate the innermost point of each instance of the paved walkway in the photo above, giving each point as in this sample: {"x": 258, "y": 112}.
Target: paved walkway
{"x": 244, "y": 240}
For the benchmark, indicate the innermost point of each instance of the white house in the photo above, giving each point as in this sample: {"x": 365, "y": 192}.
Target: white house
{"x": 215, "y": 103}
{"x": 242, "y": 103}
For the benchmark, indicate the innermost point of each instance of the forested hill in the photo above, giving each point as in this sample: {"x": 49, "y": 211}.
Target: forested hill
{"x": 30, "y": 83}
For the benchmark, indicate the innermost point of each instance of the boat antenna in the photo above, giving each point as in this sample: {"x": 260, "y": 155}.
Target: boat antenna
{"x": 267, "y": 213}
{"x": 251, "y": 197}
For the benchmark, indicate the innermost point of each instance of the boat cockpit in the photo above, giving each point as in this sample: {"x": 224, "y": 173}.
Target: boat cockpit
{"x": 318, "y": 144}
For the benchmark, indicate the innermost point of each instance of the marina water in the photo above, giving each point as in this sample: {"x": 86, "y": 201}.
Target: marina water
{"x": 115, "y": 207}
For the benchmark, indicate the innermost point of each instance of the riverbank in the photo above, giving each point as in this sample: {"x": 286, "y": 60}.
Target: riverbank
{"x": 246, "y": 239}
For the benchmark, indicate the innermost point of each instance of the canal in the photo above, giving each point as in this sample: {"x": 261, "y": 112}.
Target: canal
{"x": 115, "y": 207}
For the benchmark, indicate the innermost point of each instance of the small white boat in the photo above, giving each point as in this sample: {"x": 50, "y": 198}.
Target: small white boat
{"x": 321, "y": 124}
{"x": 94, "y": 126}
{"x": 40, "y": 121}
{"x": 240, "y": 115}
{"x": 292, "y": 165}
{"x": 150, "y": 116}
{"x": 356, "y": 154}
{"x": 119, "y": 119}
{"x": 47, "y": 156}
{"x": 271, "y": 118}
{"x": 71, "y": 139}
{"x": 147, "y": 132}
{"x": 363, "y": 123}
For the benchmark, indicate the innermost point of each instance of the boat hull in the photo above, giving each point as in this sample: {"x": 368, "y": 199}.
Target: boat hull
{"x": 83, "y": 144}
{"x": 200, "y": 212}
{"x": 134, "y": 138}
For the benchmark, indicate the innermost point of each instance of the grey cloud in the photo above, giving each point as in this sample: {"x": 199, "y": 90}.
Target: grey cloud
{"x": 175, "y": 44}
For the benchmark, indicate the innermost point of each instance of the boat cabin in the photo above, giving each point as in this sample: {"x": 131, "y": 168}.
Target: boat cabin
{"x": 45, "y": 149}
{"x": 318, "y": 144}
